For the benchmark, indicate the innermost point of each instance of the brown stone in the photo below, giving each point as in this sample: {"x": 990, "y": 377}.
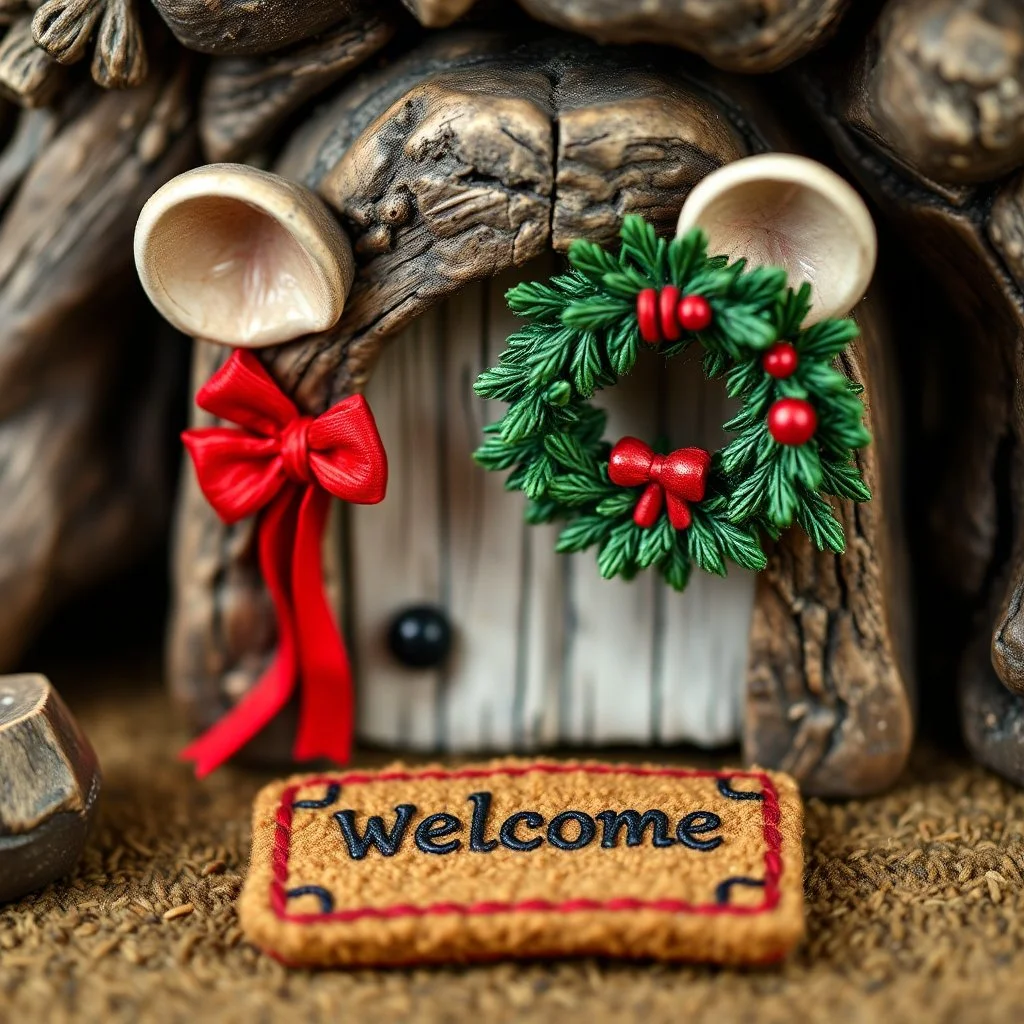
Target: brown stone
{"x": 49, "y": 789}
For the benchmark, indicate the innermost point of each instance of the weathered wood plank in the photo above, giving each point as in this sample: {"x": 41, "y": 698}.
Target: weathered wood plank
{"x": 485, "y": 561}
{"x": 546, "y": 651}
{"x": 396, "y": 557}
{"x": 540, "y": 628}
{"x": 610, "y": 649}
{"x": 703, "y": 644}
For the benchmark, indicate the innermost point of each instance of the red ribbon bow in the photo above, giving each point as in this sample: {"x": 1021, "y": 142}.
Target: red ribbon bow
{"x": 286, "y": 467}
{"x": 676, "y": 479}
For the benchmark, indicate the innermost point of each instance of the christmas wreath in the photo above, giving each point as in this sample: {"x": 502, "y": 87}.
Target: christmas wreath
{"x": 793, "y": 439}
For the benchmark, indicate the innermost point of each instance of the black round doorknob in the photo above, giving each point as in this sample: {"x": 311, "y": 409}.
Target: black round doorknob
{"x": 420, "y": 636}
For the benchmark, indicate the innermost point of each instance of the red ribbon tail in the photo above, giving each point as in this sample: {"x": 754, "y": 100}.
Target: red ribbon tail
{"x": 326, "y": 716}
{"x": 274, "y": 688}
{"x": 229, "y": 734}
{"x": 648, "y": 506}
{"x": 678, "y": 512}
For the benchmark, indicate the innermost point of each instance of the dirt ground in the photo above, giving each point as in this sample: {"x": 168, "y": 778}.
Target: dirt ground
{"x": 915, "y": 905}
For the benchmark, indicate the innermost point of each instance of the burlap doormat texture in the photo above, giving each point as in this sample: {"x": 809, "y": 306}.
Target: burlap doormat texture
{"x": 915, "y": 911}
{"x": 553, "y": 859}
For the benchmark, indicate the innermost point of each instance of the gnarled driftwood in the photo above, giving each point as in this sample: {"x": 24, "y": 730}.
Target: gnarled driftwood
{"x": 945, "y": 86}
{"x": 247, "y": 27}
{"x": 247, "y": 99}
{"x": 738, "y": 35}
{"x": 84, "y": 404}
{"x": 924, "y": 106}
{"x": 446, "y": 168}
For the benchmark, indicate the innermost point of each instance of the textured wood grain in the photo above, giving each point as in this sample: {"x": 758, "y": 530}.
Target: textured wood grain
{"x": 57, "y": 32}
{"x": 738, "y": 35}
{"x": 63, "y": 28}
{"x": 246, "y": 100}
{"x": 975, "y": 542}
{"x": 83, "y": 487}
{"x": 457, "y": 178}
{"x": 28, "y": 74}
{"x": 949, "y": 226}
{"x": 625, "y": 147}
{"x": 945, "y": 85}
{"x": 30, "y": 135}
{"x": 446, "y": 169}
{"x": 49, "y": 785}
{"x": 119, "y": 59}
{"x": 830, "y": 644}
{"x": 246, "y": 27}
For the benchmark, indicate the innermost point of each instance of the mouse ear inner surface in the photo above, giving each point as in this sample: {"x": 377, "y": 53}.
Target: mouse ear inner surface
{"x": 242, "y": 257}
{"x": 792, "y": 212}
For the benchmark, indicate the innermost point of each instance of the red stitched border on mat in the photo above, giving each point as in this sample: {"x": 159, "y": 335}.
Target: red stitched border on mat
{"x": 771, "y": 817}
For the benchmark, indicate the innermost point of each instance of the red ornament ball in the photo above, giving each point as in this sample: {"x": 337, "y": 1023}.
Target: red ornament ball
{"x": 792, "y": 421}
{"x": 781, "y": 360}
{"x": 694, "y": 313}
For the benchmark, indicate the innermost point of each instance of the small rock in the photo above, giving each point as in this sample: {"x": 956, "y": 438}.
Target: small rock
{"x": 49, "y": 785}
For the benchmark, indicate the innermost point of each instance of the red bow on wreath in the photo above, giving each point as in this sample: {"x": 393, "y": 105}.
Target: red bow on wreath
{"x": 674, "y": 479}
{"x": 286, "y": 467}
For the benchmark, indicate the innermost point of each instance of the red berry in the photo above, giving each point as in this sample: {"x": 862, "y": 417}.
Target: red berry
{"x": 792, "y": 421}
{"x": 668, "y": 297}
{"x": 694, "y": 312}
{"x": 647, "y": 315}
{"x": 781, "y": 360}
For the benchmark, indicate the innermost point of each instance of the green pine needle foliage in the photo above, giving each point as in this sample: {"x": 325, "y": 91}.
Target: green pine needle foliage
{"x": 581, "y": 335}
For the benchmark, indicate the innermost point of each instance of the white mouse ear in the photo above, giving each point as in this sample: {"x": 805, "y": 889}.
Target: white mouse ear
{"x": 242, "y": 257}
{"x": 791, "y": 212}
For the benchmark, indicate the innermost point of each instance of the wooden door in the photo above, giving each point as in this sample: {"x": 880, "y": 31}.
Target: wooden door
{"x": 546, "y": 652}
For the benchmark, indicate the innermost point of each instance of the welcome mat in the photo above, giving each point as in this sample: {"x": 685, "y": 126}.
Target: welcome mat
{"x": 526, "y": 859}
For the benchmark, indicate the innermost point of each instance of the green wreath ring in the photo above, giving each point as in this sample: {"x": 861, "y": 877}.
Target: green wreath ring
{"x": 793, "y": 439}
